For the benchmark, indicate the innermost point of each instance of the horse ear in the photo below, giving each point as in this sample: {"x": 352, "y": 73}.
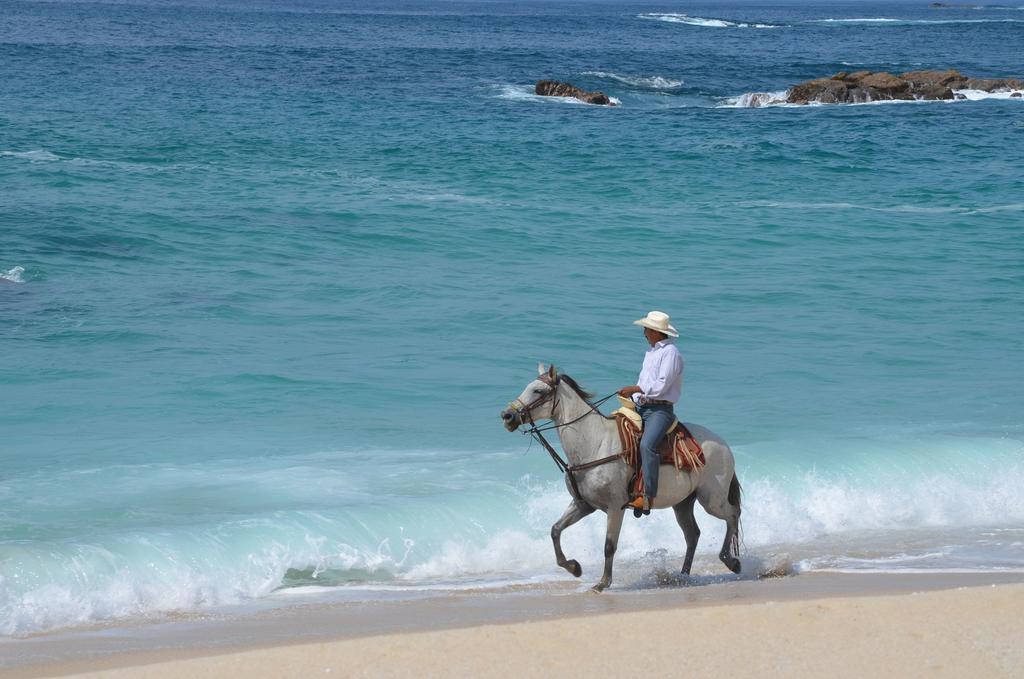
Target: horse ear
{"x": 552, "y": 372}
{"x": 541, "y": 369}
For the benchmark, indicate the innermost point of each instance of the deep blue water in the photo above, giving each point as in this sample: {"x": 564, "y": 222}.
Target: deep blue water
{"x": 276, "y": 267}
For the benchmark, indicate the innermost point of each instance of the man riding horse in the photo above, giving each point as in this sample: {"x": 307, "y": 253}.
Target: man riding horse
{"x": 597, "y": 473}
{"x": 655, "y": 393}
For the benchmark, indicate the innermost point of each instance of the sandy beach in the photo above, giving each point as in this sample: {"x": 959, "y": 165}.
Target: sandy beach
{"x": 934, "y": 625}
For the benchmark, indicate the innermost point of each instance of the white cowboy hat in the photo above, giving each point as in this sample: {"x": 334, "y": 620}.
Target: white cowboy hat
{"x": 658, "y": 320}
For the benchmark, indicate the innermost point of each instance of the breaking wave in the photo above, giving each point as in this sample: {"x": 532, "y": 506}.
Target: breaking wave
{"x": 312, "y": 525}
{"x": 37, "y": 156}
{"x": 679, "y": 18}
{"x": 757, "y": 100}
{"x": 647, "y": 82}
{"x": 13, "y": 275}
{"x": 676, "y": 18}
{"x": 977, "y": 95}
{"x": 778, "y": 99}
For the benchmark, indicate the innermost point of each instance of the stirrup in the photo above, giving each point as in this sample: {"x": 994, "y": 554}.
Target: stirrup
{"x": 643, "y": 509}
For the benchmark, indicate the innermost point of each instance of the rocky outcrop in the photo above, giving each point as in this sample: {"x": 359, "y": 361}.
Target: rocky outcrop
{"x": 553, "y": 88}
{"x": 864, "y": 86}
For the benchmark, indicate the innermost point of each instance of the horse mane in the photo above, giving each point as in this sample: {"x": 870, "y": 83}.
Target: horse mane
{"x": 585, "y": 395}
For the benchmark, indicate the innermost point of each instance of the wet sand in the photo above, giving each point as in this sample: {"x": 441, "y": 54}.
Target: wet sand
{"x": 807, "y": 625}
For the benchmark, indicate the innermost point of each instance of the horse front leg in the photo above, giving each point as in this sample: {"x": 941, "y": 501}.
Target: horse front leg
{"x": 611, "y": 541}
{"x": 573, "y": 513}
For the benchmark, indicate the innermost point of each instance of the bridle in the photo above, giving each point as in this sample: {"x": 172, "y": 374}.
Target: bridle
{"x": 525, "y": 411}
{"x": 525, "y": 414}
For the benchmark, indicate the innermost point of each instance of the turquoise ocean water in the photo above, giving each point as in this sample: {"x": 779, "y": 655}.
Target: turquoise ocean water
{"x": 272, "y": 269}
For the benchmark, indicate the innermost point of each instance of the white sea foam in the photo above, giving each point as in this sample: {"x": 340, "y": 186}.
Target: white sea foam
{"x": 38, "y": 156}
{"x": 447, "y": 197}
{"x": 404, "y": 588}
{"x": 142, "y": 168}
{"x": 102, "y": 584}
{"x": 898, "y": 64}
{"x": 918, "y": 491}
{"x": 676, "y": 18}
{"x": 778, "y": 99}
{"x": 811, "y": 566}
{"x": 1011, "y": 207}
{"x": 757, "y": 100}
{"x": 13, "y": 275}
{"x": 43, "y": 156}
{"x": 977, "y": 95}
{"x": 654, "y": 82}
{"x": 876, "y": 20}
{"x": 882, "y": 490}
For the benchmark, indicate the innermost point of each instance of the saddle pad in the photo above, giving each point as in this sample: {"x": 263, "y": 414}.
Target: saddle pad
{"x": 678, "y": 447}
{"x": 632, "y": 414}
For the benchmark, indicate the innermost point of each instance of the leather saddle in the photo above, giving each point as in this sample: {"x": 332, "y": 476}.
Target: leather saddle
{"x": 678, "y": 447}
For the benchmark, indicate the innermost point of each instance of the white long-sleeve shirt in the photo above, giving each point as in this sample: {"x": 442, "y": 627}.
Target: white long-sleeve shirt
{"x": 661, "y": 377}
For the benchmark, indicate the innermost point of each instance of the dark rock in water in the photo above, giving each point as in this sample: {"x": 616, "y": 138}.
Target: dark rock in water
{"x": 864, "y": 86}
{"x": 822, "y": 90}
{"x": 885, "y": 83}
{"x": 936, "y": 93}
{"x": 931, "y": 78}
{"x": 553, "y": 88}
{"x": 1016, "y": 95}
{"x": 853, "y": 77}
{"x": 992, "y": 84}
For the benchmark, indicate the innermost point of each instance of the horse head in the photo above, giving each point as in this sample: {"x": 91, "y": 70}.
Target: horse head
{"x": 537, "y": 402}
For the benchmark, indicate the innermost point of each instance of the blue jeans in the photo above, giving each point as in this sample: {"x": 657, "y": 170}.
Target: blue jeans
{"x": 657, "y": 419}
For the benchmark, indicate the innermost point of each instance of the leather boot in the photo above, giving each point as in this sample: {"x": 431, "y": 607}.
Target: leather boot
{"x": 641, "y": 505}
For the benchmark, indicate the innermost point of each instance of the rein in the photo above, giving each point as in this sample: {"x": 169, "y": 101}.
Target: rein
{"x": 536, "y": 432}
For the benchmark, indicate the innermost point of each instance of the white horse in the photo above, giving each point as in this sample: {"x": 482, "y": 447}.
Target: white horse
{"x": 601, "y": 480}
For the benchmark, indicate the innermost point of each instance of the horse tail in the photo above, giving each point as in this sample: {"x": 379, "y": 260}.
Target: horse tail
{"x": 735, "y": 498}
{"x": 735, "y": 492}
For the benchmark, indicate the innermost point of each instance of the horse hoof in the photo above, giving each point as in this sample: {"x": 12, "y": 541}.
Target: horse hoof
{"x": 574, "y": 568}
{"x": 731, "y": 563}
{"x": 598, "y": 588}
